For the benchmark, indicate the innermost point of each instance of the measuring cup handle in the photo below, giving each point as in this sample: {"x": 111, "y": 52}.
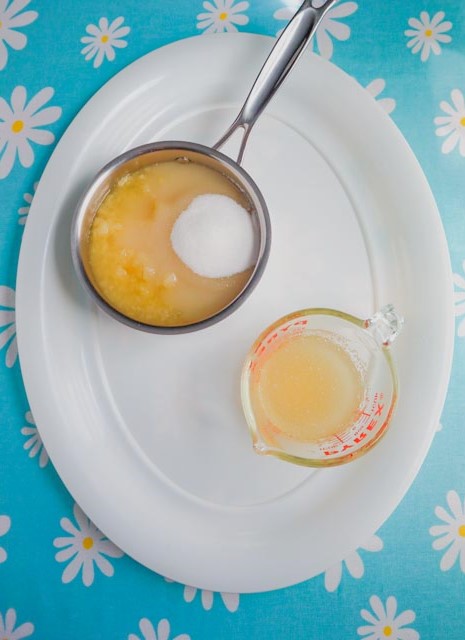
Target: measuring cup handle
{"x": 385, "y": 325}
{"x": 283, "y": 56}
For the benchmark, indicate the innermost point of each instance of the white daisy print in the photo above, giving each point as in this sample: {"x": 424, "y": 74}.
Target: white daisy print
{"x": 375, "y": 88}
{"x": 331, "y": 25}
{"x": 8, "y": 624}
{"x": 8, "y": 325}
{"x": 451, "y": 534}
{"x": 230, "y": 600}
{"x": 12, "y": 18}
{"x": 162, "y": 633}
{"x": 427, "y": 33}
{"x": 85, "y": 546}
{"x": 459, "y": 299}
{"x": 353, "y": 563}
{"x": 21, "y": 123}
{"x": 34, "y": 442}
{"x": 103, "y": 39}
{"x": 452, "y": 125}
{"x": 23, "y": 211}
{"x": 5, "y": 524}
{"x": 222, "y": 15}
{"x": 383, "y": 622}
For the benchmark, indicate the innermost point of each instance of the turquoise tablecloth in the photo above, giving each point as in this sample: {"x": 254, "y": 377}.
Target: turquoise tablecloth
{"x": 408, "y": 581}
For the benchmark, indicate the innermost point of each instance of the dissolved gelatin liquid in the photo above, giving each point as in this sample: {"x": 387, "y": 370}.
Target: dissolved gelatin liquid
{"x": 307, "y": 388}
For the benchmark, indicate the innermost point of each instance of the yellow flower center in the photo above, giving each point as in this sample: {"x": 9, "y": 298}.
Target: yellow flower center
{"x": 462, "y": 121}
{"x": 1, "y": 24}
{"x": 387, "y": 631}
{"x": 17, "y": 126}
{"x": 223, "y": 15}
{"x": 428, "y": 33}
{"x": 104, "y": 39}
{"x": 88, "y": 543}
{"x": 462, "y": 526}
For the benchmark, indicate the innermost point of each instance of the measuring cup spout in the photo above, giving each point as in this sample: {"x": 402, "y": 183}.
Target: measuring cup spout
{"x": 385, "y": 325}
{"x": 285, "y": 53}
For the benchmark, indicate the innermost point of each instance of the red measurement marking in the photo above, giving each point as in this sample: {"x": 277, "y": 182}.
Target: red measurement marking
{"x": 379, "y": 409}
{"x": 259, "y": 345}
{"x": 338, "y": 438}
{"x": 334, "y": 452}
{"x": 360, "y": 437}
{"x": 372, "y": 424}
{"x": 252, "y": 365}
{"x": 364, "y": 414}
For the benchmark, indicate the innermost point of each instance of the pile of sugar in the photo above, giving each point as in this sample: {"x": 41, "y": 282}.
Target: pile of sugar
{"x": 215, "y": 237}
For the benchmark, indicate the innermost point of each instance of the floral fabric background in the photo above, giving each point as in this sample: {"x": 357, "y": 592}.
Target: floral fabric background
{"x": 60, "y": 578}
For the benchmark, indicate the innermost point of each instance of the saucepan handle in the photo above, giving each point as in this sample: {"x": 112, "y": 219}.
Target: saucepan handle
{"x": 285, "y": 53}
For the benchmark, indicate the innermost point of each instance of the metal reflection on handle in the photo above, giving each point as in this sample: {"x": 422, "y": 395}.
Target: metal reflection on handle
{"x": 285, "y": 53}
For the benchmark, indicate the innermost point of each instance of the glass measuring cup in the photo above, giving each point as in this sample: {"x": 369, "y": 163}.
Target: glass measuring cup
{"x": 282, "y": 58}
{"x": 367, "y": 343}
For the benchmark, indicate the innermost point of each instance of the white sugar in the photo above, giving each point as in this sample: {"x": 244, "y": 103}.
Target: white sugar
{"x": 215, "y": 237}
